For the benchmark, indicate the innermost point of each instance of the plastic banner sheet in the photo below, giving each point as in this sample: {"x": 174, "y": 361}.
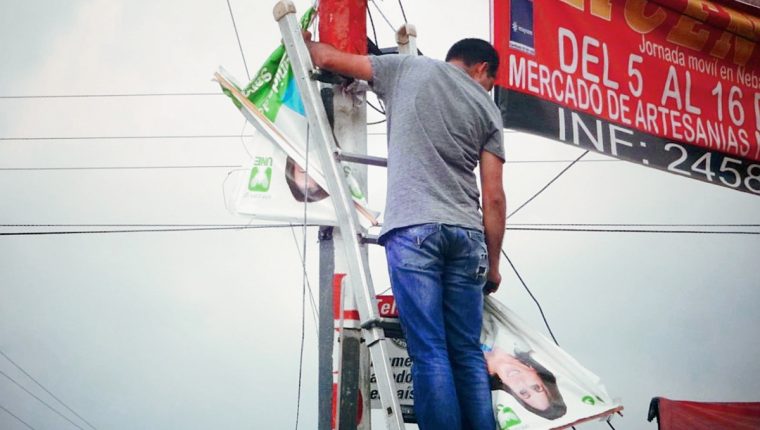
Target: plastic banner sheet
{"x": 283, "y": 174}
{"x": 274, "y": 188}
{"x": 535, "y": 384}
{"x": 670, "y": 84}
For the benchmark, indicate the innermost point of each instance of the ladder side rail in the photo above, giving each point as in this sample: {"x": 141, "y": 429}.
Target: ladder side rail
{"x": 300, "y": 59}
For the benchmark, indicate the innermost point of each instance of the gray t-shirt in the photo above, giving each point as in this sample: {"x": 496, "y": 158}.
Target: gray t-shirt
{"x": 439, "y": 120}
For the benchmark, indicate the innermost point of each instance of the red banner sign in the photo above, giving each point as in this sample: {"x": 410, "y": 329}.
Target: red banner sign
{"x": 672, "y": 84}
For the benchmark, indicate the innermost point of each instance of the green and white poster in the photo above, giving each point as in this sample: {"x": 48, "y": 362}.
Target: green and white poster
{"x": 534, "y": 383}
{"x": 284, "y": 173}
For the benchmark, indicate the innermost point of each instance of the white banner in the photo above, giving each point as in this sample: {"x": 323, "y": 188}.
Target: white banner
{"x": 276, "y": 185}
{"x": 535, "y": 384}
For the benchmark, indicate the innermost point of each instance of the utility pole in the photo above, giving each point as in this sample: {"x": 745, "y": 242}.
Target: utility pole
{"x": 343, "y": 362}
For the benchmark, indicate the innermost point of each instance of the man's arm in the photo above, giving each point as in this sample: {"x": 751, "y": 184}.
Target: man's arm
{"x": 494, "y": 211}
{"x": 330, "y": 58}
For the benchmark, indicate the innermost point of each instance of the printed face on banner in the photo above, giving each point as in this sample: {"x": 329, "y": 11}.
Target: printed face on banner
{"x": 669, "y": 84}
{"x": 535, "y": 384}
{"x": 275, "y": 188}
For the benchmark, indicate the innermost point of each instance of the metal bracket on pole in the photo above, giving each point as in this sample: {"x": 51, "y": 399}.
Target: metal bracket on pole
{"x": 358, "y": 269}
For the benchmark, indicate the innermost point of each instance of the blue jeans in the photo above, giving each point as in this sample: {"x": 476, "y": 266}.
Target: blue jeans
{"x": 437, "y": 274}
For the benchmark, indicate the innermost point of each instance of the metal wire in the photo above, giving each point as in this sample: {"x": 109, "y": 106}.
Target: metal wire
{"x": 240, "y": 45}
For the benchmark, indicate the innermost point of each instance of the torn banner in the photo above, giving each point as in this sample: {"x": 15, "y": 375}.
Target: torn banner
{"x": 276, "y": 185}
{"x": 537, "y": 385}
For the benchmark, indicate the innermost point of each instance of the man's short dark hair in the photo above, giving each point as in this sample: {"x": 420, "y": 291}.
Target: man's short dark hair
{"x": 473, "y": 51}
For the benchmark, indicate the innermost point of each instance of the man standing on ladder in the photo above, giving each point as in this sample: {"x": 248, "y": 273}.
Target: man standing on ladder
{"x": 441, "y": 251}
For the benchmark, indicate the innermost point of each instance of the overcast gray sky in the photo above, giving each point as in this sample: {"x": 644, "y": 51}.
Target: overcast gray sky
{"x": 201, "y": 330}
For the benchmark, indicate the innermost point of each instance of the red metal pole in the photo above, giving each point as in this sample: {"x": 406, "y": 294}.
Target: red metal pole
{"x": 343, "y": 24}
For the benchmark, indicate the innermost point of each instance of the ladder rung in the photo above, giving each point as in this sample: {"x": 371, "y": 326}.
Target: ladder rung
{"x": 367, "y": 238}
{"x": 391, "y": 327}
{"x": 361, "y": 158}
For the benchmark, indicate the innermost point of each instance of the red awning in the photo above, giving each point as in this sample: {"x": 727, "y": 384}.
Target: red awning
{"x": 685, "y": 415}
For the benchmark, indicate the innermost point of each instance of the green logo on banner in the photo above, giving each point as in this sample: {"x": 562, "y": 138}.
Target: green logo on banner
{"x": 268, "y": 87}
{"x": 261, "y": 175}
{"x": 588, "y": 400}
{"x": 507, "y": 417}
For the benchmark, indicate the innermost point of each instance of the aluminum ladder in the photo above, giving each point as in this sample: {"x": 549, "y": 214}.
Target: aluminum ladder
{"x": 354, "y": 237}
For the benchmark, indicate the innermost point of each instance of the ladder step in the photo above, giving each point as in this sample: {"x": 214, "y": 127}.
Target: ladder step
{"x": 391, "y": 327}
{"x": 361, "y": 158}
{"x": 367, "y": 238}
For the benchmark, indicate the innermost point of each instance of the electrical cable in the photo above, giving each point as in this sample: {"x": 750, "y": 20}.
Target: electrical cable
{"x": 82, "y": 96}
{"x": 154, "y": 225}
{"x": 34, "y": 169}
{"x": 383, "y": 15}
{"x": 311, "y": 225}
{"x": 46, "y": 390}
{"x": 240, "y": 45}
{"x": 157, "y": 230}
{"x": 505, "y": 132}
{"x": 189, "y": 136}
{"x": 540, "y": 309}
{"x": 304, "y": 276}
{"x": 253, "y": 227}
{"x": 600, "y": 230}
{"x": 403, "y": 13}
{"x": 636, "y": 225}
{"x": 610, "y": 424}
{"x": 40, "y": 400}
{"x": 547, "y": 185}
{"x": 613, "y": 160}
{"x": 314, "y": 307}
{"x": 372, "y": 24}
{"x": 16, "y": 417}
{"x": 375, "y": 108}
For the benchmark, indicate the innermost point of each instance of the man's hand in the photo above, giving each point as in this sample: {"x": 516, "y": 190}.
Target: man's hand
{"x": 492, "y": 283}
{"x": 330, "y": 58}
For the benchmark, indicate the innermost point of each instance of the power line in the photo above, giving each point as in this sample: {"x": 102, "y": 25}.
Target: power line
{"x": 372, "y": 24}
{"x": 146, "y": 230}
{"x": 633, "y": 225}
{"x": 224, "y": 166}
{"x": 253, "y": 227}
{"x": 383, "y": 15}
{"x": 304, "y": 280}
{"x": 314, "y": 309}
{"x": 46, "y": 390}
{"x": 41, "y": 401}
{"x": 600, "y": 230}
{"x": 232, "y": 16}
{"x": 114, "y": 95}
{"x": 168, "y": 136}
{"x": 375, "y": 108}
{"x": 511, "y": 225}
{"x": 540, "y": 309}
{"x": 16, "y": 417}
{"x": 403, "y": 13}
{"x": 562, "y": 161}
{"x": 548, "y": 184}
{"x": 33, "y": 169}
